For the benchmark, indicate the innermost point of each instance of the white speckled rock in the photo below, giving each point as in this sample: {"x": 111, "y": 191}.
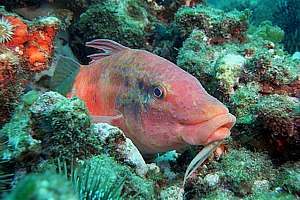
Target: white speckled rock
{"x": 228, "y": 69}
{"x": 153, "y": 168}
{"x": 117, "y": 145}
{"x": 133, "y": 157}
{"x": 172, "y": 193}
{"x": 212, "y": 179}
{"x": 261, "y": 185}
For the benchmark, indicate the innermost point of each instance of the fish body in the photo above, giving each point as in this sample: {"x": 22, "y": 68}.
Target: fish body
{"x": 158, "y": 105}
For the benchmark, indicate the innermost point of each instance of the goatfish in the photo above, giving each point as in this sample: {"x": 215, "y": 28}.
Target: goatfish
{"x": 158, "y": 105}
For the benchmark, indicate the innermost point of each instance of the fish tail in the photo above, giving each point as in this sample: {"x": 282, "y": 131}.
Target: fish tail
{"x": 64, "y": 75}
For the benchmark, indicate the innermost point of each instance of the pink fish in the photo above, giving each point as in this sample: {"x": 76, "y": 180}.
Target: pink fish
{"x": 158, "y": 105}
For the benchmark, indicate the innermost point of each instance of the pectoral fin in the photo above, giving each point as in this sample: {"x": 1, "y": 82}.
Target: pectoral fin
{"x": 115, "y": 119}
{"x": 64, "y": 75}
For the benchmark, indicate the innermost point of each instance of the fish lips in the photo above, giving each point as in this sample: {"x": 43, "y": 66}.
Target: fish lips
{"x": 203, "y": 133}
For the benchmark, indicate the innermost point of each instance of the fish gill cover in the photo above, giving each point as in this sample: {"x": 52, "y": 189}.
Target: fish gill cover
{"x": 241, "y": 52}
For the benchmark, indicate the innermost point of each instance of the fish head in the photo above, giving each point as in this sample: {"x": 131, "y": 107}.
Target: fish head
{"x": 166, "y": 108}
{"x": 200, "y": 117}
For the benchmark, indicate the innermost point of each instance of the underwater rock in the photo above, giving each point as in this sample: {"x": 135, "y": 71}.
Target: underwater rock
{"x": 274, "y": 68}
{"x": 17, "y": 132}
{"x": 220, "y": 194}
{"x": 212, "y": 179}
{"x": 261, "y": 185}
{"x": 296, "y": 55}
{"x": 126, "y": 22}
{"x": 172, "y": 193}
{"x": 48, "y": 126}
{"x": 268, "y": 31}
{"x": 63, "y": 126}
{"x": 283, "y": 13}
{"x": 165, "y": 40}
{"x": 262, "y": 69}
{"x": 281, "y": 116}
{"x": 228, "y": 70}
{"x": 99, "y": 177}
{"x": 164, "y": 162}
{"x": 166, "y": 9}
{"x": 218, "y": 26}
{"x": 12, "y": 80}
{"x": 289, "y": 178}
{"x": 237, "y": 171}
{"x": 116, "y": 144}
{"x": 244, "y": 102}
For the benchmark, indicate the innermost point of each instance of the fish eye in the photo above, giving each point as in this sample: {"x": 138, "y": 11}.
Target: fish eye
{"x": 158, "y": 92}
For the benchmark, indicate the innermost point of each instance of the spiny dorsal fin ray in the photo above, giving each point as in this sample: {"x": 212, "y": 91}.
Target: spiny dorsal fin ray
{"x": 108, "y": 46}
{"x": 98, "y": 56}
{"x": 64, "y": 75}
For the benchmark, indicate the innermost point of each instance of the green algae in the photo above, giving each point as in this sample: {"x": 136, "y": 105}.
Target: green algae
{"x": 271, "y": 196}
{"x": 193, "y": 58}
{"x": 244, "y": 102}
{"x": 17, "y": 131}
{"x": 240, "y": 168}
{"x": 50, "y": 124}
{"x": 242, "y": 173}
{"x": 268, "y": 31}
{"x": 124, "y": 22}
{"x": 63, "y": 126}
{"x": 220, "y": 195}
{"x": 280, "y": 106}
{"x": 289, "y": 177}
{"x": 48, "y": 185}
{"x": 99, "y": 177}
{"x": 276, "y": 68}
{"x": 245, "y": 174}
{"x": 215, "y": 23}
{"x": 111, "y": 172}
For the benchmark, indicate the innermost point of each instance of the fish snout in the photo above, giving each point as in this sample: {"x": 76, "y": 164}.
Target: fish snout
{"x": 214, "y": 129}
{"x": 212, "y": 107}
{"x": 220, "y": 127}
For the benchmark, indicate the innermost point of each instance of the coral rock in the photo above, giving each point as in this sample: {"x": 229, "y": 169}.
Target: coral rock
{"x": 116, "y": 144}
{"x": 217, "y": 25}
{"x": 63, "y": 126}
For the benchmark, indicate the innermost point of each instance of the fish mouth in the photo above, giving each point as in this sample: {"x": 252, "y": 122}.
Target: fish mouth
{"x": 214, "y": 129}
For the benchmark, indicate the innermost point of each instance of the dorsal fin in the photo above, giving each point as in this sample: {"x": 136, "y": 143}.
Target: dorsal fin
{"x": 108, "y": 47}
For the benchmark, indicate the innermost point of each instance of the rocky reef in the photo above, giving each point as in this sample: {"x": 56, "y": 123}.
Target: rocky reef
{"x": 283, "y": 13}
{"x": 255, "y": 78}
{"x": 217, "y": 25}
{"x": 47, "y": 127}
